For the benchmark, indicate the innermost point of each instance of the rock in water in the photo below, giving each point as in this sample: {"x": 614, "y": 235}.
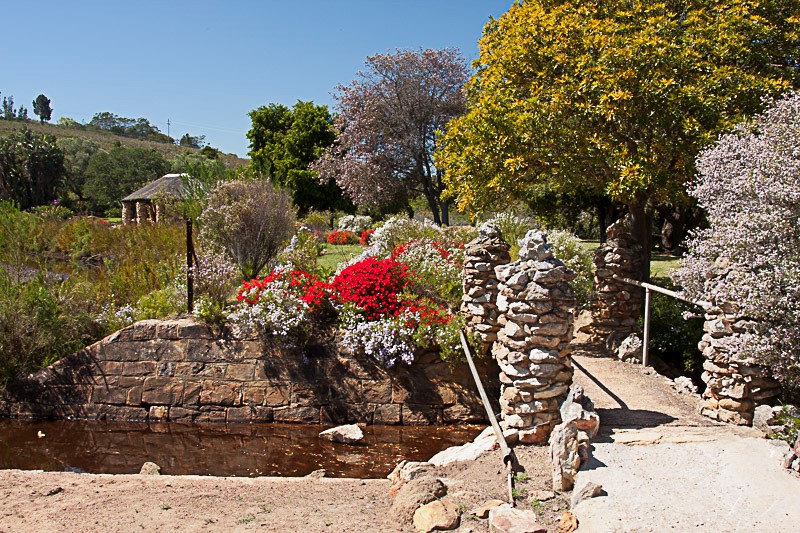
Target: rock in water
{"x": 150, "y": 469}
{"x": 348, "y": 434}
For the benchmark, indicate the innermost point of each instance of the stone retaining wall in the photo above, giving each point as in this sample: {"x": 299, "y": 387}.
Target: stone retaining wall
{"x": 180, "y": 371}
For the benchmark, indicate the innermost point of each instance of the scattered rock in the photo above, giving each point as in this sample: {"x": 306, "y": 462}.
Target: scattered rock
{"x": 482, "y": 511}
{"x": 579, "y": 408}
{"x": 40, "y": 434}
{"x": 437, "y": 515}
{"x": 150, "y": 469}
{"x": 564, "y": 455}
{"x": 317, "y": 474}
{"x": 543, "y": 495}
{"x": 764, "y": 417}
{"x": 405, "y": 471}
{"x": 54, "y": 491}
{"x": 684, "y": 384}
{"x": 568, "y": 523}
{"x": 589, "y": 490}
{"x": 506, "y": 519}
{"x": 414, "y": 494}
{"x": 630, "y": 349}
{"x": 470, "y": 451}
{"x": 347, "y": 434}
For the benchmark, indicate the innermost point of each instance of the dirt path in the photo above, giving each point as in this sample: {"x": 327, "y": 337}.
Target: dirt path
{"x": 665, "y": 467}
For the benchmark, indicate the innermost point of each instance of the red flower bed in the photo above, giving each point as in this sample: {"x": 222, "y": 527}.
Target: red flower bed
{"x": 365, "y": 236}
{"x": 373, "y": 285}
{"x": 342, "y": 237}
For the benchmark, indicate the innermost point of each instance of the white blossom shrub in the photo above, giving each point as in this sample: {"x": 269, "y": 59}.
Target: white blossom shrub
{"x": 277, "y": 311}
{"x": 354, "y": 223}
{"x": 389, "y": 340}
{"x": 749, "y": 184}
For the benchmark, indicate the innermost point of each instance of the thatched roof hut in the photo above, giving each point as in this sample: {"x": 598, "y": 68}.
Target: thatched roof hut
{"x": 142, "y": 206}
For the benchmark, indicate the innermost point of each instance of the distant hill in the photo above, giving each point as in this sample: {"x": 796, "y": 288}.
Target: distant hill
{"x": 108, "y": 140}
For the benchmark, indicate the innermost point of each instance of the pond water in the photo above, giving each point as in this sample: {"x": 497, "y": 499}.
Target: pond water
{"x": 216, "y": 450}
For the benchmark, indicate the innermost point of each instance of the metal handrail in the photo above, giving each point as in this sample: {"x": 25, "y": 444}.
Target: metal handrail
{"x": 650, "y": 287}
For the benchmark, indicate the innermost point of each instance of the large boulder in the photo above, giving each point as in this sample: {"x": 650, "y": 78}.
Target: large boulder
{"x": 439, "y": 515}
{"x": 414, "y": 495}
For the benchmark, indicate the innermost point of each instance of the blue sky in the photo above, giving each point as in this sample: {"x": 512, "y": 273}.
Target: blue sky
{"x": 204, "y": 65}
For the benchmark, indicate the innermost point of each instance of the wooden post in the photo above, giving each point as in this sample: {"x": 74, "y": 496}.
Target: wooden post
{"x": 189, "y": 267}
{"x": 646, "y": 340}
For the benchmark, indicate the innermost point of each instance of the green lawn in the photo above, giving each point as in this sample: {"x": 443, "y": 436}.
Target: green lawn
{"x": 333, "y": 254}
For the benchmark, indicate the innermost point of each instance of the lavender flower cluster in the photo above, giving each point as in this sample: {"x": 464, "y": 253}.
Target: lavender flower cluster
{"x": 388, "y": 340}
{"x": 749, "y": 184}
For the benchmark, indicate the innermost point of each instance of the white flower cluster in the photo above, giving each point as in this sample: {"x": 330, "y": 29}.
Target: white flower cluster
{"x": 424, "y": 257}
{"x": 354, "y": 223}
{"x": 388, "y": 340}
{"x": 396, "y": 230}
{"x": 278, "y": 312}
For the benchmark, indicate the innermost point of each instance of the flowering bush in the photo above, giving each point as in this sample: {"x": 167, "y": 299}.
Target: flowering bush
{"x": 366, "y": 237}
{"x": 749, "y": 184}
{"x": 373, "y": 286}
{"x": 436, "y": 268}
{"x": 302, "y": 251}
{"x": 389, "y": 339}
{"x": 354, "y": 223}
{"x": 275, "y": 305}
{"x": 342, "y": 237}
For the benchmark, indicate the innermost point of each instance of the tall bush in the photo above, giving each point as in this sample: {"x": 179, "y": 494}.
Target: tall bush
{"x": 749, "y": 184}
{"x": 251, "y": 221}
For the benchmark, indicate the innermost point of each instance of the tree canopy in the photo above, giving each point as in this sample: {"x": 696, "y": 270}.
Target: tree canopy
{"x": 41, "y": 108}
{"x": 31, "y": 168}
{"x": 615, "y": 97}
{"x": 388, "y": 120}
{"x": 112, "y": 175}
{"x": 284, "y": 142}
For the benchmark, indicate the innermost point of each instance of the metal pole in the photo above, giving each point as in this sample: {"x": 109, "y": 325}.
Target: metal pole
{"x": 189, "y": 269}
{"x": 646, "y": 325}
{"x": 508, "y": 454}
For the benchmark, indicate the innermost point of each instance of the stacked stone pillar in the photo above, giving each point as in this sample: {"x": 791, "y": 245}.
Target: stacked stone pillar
{"x": 536, "y": 305}
{"x": 482, "y": 255}
{"x": 735, "y": 385}
{"x": 616, "y": 306}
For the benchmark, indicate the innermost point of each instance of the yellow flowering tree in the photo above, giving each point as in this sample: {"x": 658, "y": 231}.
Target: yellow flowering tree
{"x": 612, "y": 97}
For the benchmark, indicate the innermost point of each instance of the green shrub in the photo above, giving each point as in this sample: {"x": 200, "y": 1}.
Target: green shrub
{"x": 675, "y": 330}
{"x": 567, "y": 247}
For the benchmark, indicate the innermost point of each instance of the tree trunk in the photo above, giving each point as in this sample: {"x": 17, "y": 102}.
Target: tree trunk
{"x": 642, "y": 232}
{"x": 445, "y": 210}
{"x": 678, "y": 221}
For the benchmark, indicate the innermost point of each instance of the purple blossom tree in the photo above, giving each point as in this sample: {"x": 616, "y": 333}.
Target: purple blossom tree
{"x": 749, "y": 184}
{"x": 388, "y": 119}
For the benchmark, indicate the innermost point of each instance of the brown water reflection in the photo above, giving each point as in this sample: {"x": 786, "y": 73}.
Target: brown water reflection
{"x": 216, "y": 450}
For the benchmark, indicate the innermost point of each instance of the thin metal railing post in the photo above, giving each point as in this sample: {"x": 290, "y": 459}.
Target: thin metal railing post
{"x": 646, "y": 325}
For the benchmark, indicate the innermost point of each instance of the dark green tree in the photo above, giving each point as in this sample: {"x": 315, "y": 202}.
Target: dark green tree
{"x": 110, "y": 176}
{"x": 31, "y": 168}
{"x": 41, "y": 108}
{"x": 192, "y": 141}
{"x": 283, "y": 142}
{"x": 77, "y": 151}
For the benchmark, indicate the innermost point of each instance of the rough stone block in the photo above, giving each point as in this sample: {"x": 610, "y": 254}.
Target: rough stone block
{"x": 296, "y": 414}
{"x": 422, "y": 415}
{"x": 220, "y": 393}
{"x": 162, "y": 391}
{"x": 387, "y": 414}
{"x": 239, "y": 414}
{"x": 139, "y": 368}
{"x": 191, "y": 393}
{"x": 109, "y": 395}
{"x": 240, "y": 372}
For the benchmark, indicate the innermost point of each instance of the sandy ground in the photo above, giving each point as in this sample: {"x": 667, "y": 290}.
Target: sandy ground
{"x": 59, "y": 502}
